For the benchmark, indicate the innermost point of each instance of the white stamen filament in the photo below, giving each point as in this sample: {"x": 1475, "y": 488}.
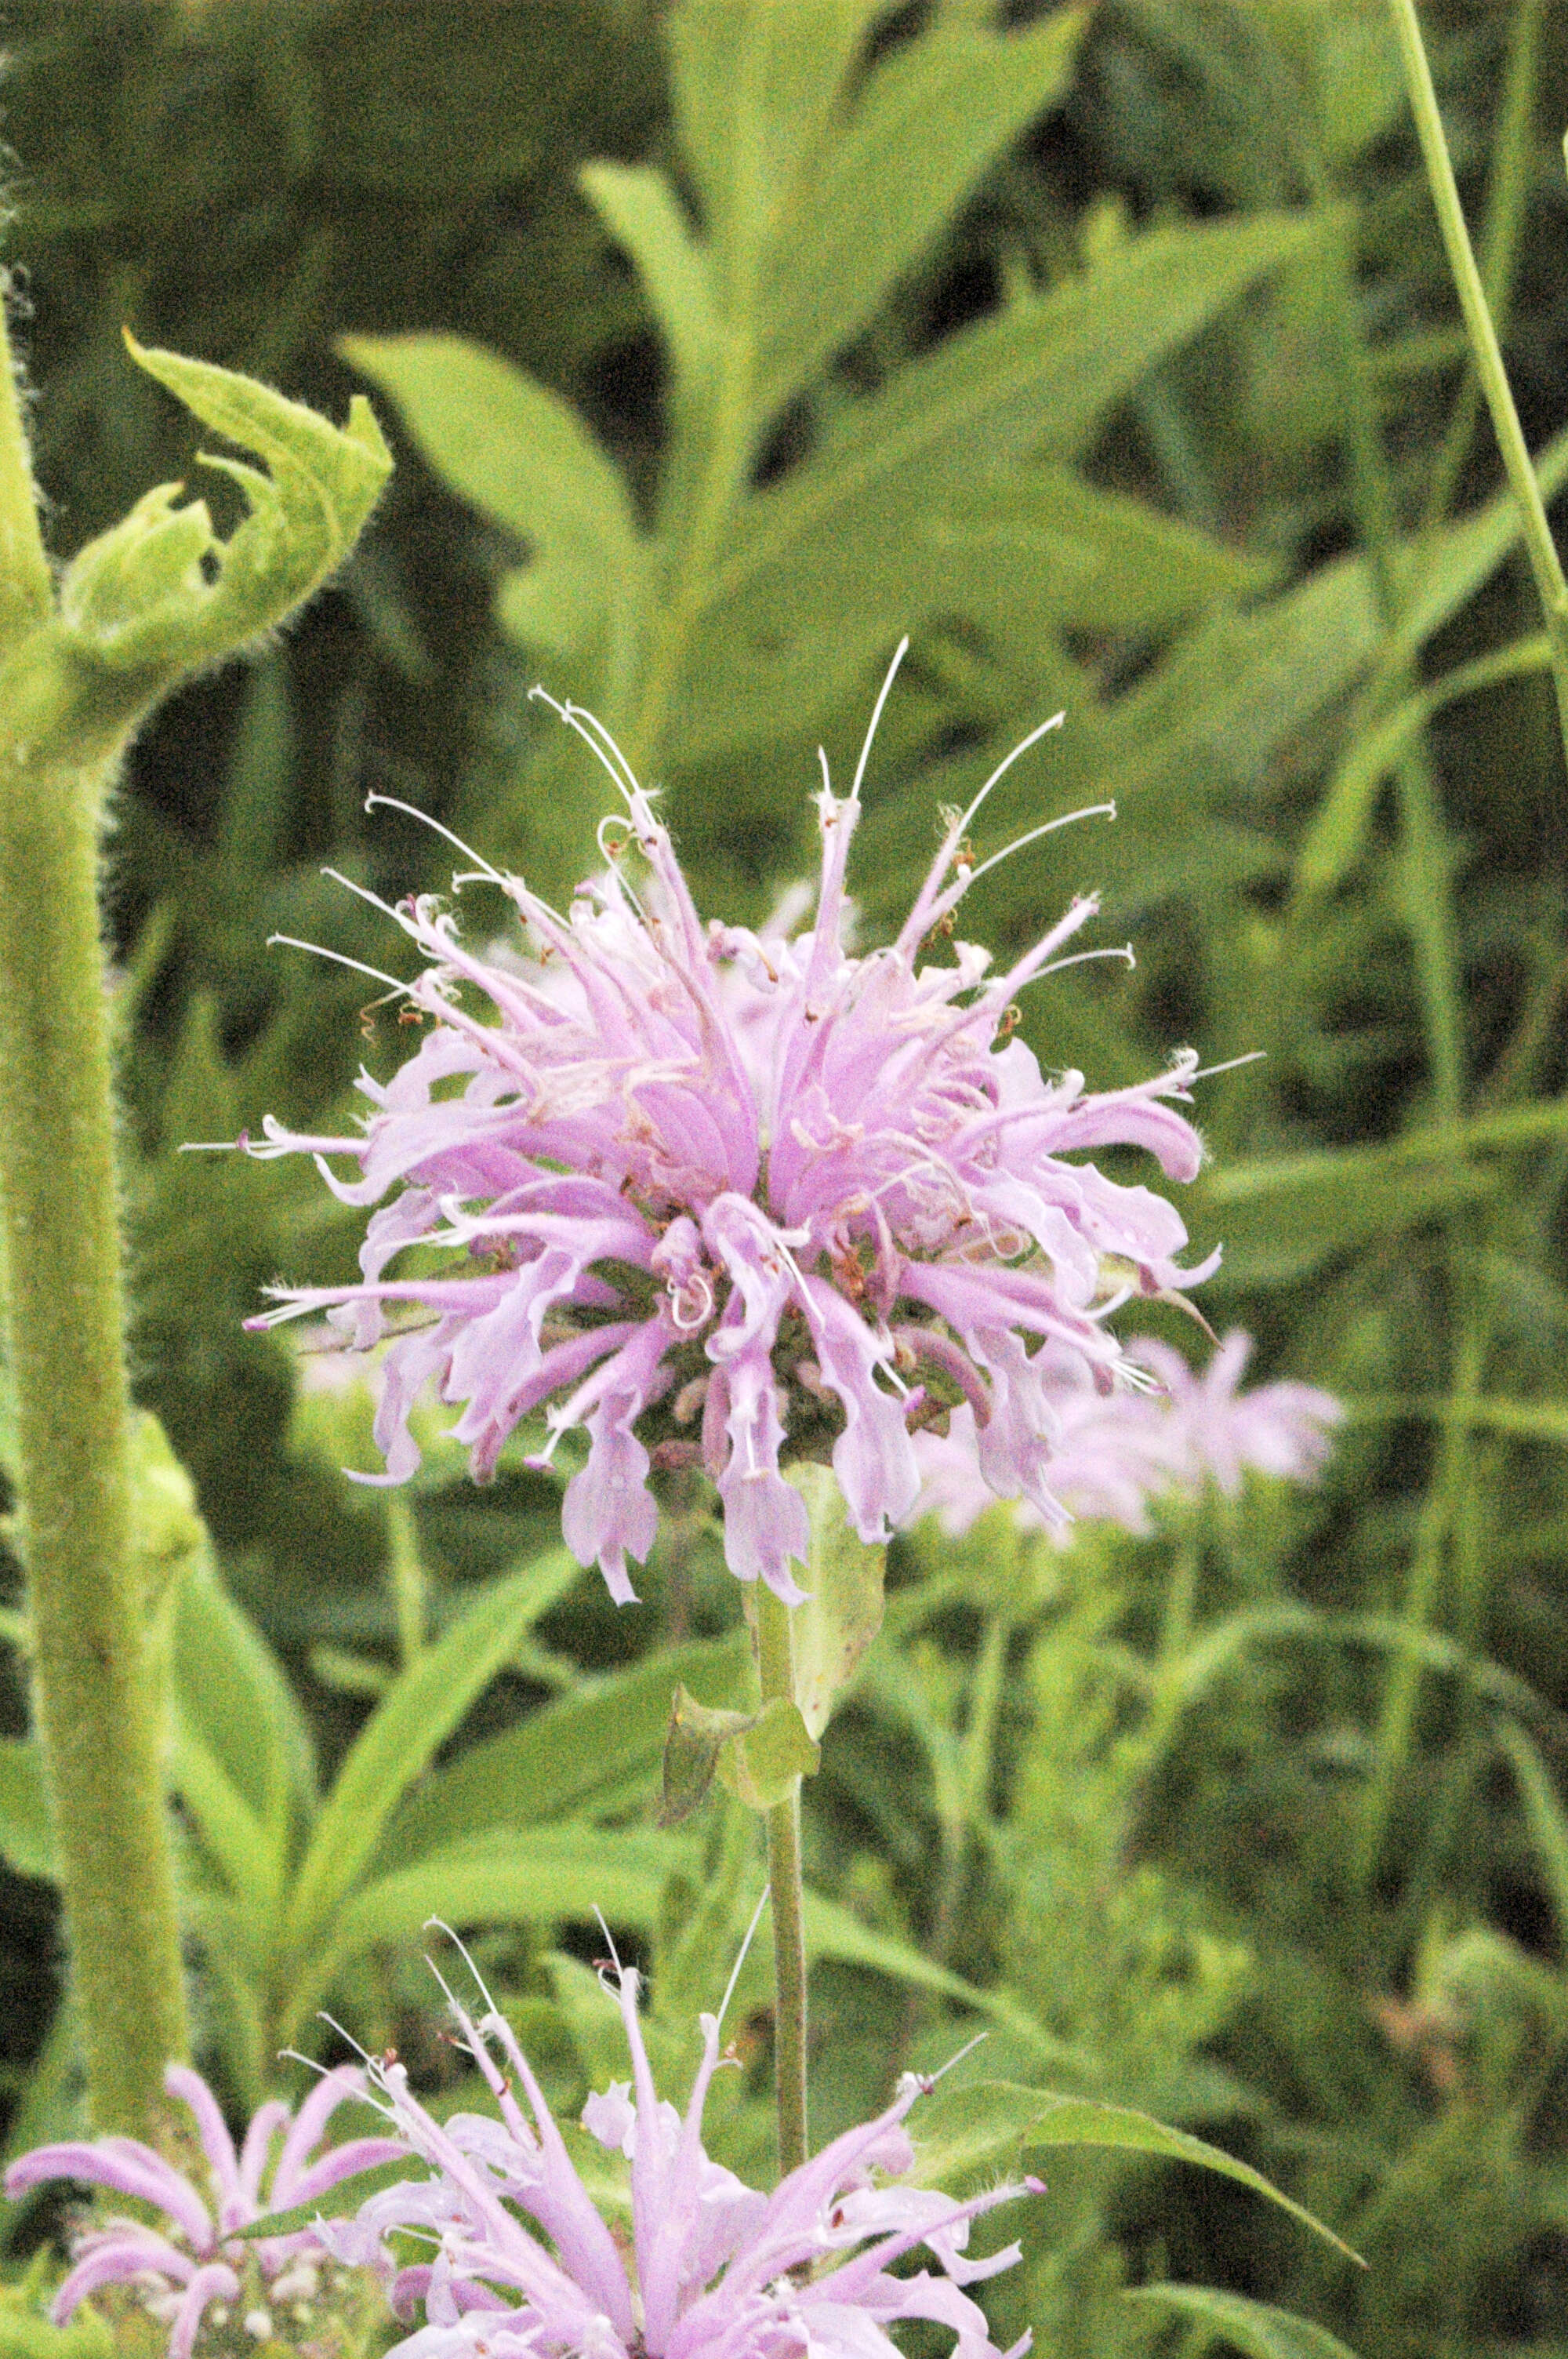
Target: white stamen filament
{"x": 292, "y": 942}
{"x": 899, "y": 653}
{"x": 412, "y": 810}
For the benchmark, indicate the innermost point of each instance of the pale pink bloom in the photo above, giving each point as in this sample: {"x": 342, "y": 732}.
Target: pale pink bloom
{"x": 192, "y": 2261}
{"x": 1116, "y": 1456}
{"x": 713, "y": 2269}
{"x": 703, "y": 1191}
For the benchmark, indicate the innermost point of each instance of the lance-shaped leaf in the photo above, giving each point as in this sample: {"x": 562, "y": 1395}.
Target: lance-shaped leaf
{"x": 523, "y": 457}
{"x": 1251, "y": 2326}
{"x": 587, "y": 1748}
{"x": 966, "y": 2131}
{"x": 843, "y": 1609}
{"x": 340, "y": 2202}
{"x": 161, "y": 593}
{"x": 931, "y": 119}
{"x": 643, "y": 212}
{"x": 419, "y": 1713}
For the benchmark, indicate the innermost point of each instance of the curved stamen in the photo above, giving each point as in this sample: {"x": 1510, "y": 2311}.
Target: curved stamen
{"x": 338, "y": 958}
{"x": 599, "y": 742}
{"x": 412, "y": 810}
{"x": 1048, "y": 827}
{"x": 899, "y": 653}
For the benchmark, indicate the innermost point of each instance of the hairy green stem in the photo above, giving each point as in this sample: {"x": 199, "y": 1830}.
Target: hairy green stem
{"x": 25, "y": 592}
{"x": 775, "y": 1665}
{"x": 95, "y": 1686}
{"x": 1539, "y": 547}
{"x": 94, "y": 1682}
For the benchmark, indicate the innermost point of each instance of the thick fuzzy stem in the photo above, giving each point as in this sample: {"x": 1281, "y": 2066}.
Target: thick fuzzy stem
{"x": 95, "y": 1689}
{"x": 94, "y": 1685}
{"x": 775, "y": 1663}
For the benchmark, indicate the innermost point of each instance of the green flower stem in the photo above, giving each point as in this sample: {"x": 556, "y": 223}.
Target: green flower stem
{"x": 776, "y": 1664}
{"x": 95, "y": 1689}
{"x": 1539, "y": 547}
{"x": 25, "y": 591}
{"x": 94, "y": 1676}
{"x": 144, "y": 605}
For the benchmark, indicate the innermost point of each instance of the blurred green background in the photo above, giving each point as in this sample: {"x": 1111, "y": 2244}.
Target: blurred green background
{"x": 1113, "y": 355}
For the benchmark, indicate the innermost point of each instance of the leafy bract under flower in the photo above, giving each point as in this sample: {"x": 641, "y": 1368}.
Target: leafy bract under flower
{"x": 715, "y": 2269}
{"x": 190, "y": 2263}
{"x": 1115, "y": 1457}
{"x": 706, "y": 1193}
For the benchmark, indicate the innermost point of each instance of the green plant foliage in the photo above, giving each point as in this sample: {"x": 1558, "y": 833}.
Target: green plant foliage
{"x": 1111, "y": 354}
{"x": 1248, "y": 2326}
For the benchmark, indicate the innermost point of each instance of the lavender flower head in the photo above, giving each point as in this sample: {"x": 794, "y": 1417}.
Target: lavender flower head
{"x": 1116, "y": 1456}
{"x": 713, "y": 2269}
{"x": 704, "y": 1192}
{"x": 192, "y": 2269}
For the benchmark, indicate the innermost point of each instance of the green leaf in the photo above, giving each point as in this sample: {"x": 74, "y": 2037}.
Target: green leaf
{"x": 692, "y": 1741}
{"x": 1037, "y": 377}
{"x": 1215, "y": 713}
{"x": 832, "y": 1933}
{"x": 166, "y": 1529}
{"x": 1547, "y": 1818}
{"x": 548, "y": 1876}
{"x": 643, "y": 213}
{"x": 1040, "y": 548}
{"x": 237, "y": 1840}
{"x": 741, "y": 689}
{"x": 26, "y": 1830}
{"x": 1278, "y": 1221}
{"x": 593, "y": 1740}
{"x": 843, "y": 1611}
{"x": 969, "y": 2129}
{"x": 523, "y": 456}
{"x": 339, "y": 2202}
{"x": 754, "y": 93}
{"x": 930, "y": 121}
{"x": 160, "y": 592}
{"x": 403, "y": 1735}
{"x": 1448, "y": 567}
{"x": 232, "y": 1698}
{"x": 1333, "y": 840}
{"x": 761, "y": 1762}
{"x": 1023, "y": 552}
{"x": 760, "y": 1755}
{"x": 1251, "y": 2326}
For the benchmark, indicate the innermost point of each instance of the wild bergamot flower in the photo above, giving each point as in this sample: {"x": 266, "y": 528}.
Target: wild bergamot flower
{"x": 1115, "y": 1457}
{"x": 712, "y": 2269}
{"x": 189, "y": 2268}
{"x": 713, "y": 1194}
